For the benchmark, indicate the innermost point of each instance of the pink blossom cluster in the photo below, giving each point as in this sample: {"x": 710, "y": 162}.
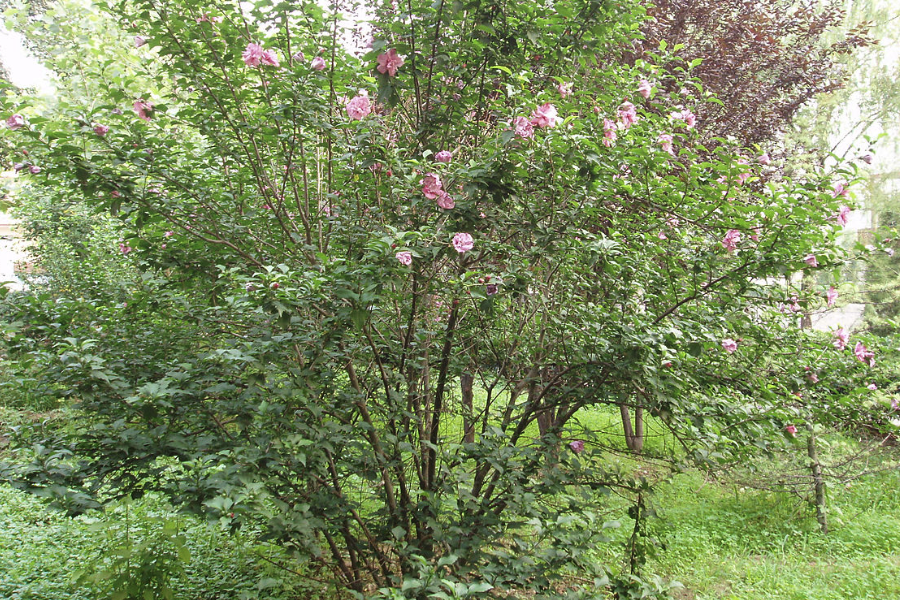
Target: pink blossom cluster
{"x": 523, "y": 127}
{"x": 15, "y": 122}
{"x": 359, "y": 107}
{"x": 644, "y": 88}
{"x": 545, "y": 116}
{"x": 627, "y": 115}
{"x": 389, "y": 62}
{"x": 609, "y": 132}
{"x": 841, "y": 337}
{"x": 841, "y": 216}
{"x": 685, "y": 115}
{"x": 665, "y": 141}
{"x": 863, "y": 354}
{"x": 142, "y": 109}
{"x": 731, "y": 240}
{"x": 463, "y": 242}
{"x": 432, "y": 188}
{"x": 254, "y": 55}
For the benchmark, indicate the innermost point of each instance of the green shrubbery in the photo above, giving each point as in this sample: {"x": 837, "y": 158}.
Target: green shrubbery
{"x": 318, "y": 262}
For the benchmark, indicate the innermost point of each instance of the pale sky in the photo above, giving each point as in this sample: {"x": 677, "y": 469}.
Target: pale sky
{"x": 24, "y": 70}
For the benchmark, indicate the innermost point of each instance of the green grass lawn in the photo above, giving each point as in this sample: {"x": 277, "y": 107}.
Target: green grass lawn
{"x": 729, "y": 544}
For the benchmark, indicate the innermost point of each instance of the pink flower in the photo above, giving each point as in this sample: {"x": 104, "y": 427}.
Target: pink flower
{"x": 445, "y": 201}
{"x": 101, "y": 130}
{"x": 124, "y": 248}
{"x": 864, "y": 355}
{"x": 15, "y": 122}
{"x": 34, "y": 169}
{"x": 270, "y": 58}
{"x": 524, "y": 128}
{"x": 644, "y": 88}
{"x": 813, "y": 378}
{"x": 662, "y": 235}
{"x": 389, "y": 62}
{"x": 252, "y": 55}
{"x": 810, "y": 259}
{"x": 841, "y": 337}
{"x": 18, "y": 167}
{"x": 731, "y": 240}
{"x": 839, "y": 190}
{"x": 685, "y": 115}
{"x": 872, "y": 387}
{"x": 317, "y": 64}
{"x": 431, "y": 186}
{"x": 577, "y": 446}
{"x": 841, "y": 217}
{"x": 463, "y": 242}
{"x": 791, "y": 430}
{"x": 763, "y": 158}
{"x": 359, "y": 107}
{"x": 889, "y": 251}
{"x": 609, "y": 132}
{"x": 116, "y": 194}
{"x": 298, "y": 56}
{"x": 831, "y": 295}
{"x": 139, "y": 41}
{"x": 755, "y": 235}
{"x": 405, "y": 258}
{"x": 729, "y": 345}
{"x": 544, "y": 116}
{"x": 665, "y": 140}
{"x": 142, "y": 109}
{"x": 443, "y": 156}
{"x": 169, "y": 234}
{"x": 564, "y": 89}
{"x": 627, "y": 114}
{"x": 742, "y": 177}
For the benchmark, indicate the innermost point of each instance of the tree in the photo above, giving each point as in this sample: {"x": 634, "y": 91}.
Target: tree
{"x": 341, "y": 239}
{"x": 763, "y": 60}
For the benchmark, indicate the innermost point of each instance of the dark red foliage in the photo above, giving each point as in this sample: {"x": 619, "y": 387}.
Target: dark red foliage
{"x": 763, "y": 58}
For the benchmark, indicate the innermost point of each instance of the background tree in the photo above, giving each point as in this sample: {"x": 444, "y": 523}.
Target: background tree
{"x": 762, "y": 60}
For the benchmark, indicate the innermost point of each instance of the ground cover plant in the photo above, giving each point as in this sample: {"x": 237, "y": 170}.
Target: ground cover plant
{"x": 368, "y": 299}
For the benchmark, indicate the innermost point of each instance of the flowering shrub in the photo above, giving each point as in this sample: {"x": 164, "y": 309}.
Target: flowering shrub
{"x": 348, "y": 274}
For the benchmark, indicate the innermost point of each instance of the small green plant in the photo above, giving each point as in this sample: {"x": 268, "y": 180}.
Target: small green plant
{"x": 140, "y": 559}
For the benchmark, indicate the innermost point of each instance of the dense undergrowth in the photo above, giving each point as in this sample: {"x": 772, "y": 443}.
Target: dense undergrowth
{"x": 715, "y": 535}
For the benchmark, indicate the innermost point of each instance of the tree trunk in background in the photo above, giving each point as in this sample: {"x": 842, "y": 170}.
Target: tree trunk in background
{"x": 466, "y": 381}
{"x": 634, "y": 437}
{"x": 819, "y": 481}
